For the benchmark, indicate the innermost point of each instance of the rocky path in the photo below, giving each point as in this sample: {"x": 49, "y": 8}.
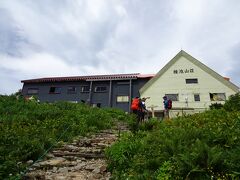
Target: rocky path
{"x": 82, "y": 159}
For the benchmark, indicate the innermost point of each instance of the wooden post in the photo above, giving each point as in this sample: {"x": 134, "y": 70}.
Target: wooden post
{"x": 110, "y": 94}
{"x": 90, "y": 93}
{"x": 152, "y": 109}
{"x": 130, "y": 95}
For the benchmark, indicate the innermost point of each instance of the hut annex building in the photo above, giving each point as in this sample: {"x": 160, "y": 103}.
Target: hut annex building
{"x": 191, "y": 85}
{"x": 98, "y": 90}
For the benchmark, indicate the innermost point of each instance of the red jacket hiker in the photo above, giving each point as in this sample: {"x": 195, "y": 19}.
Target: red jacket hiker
{"x": 135, "y": 104}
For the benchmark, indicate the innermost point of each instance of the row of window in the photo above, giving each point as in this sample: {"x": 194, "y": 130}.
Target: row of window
{"x": 174, "y": 97}
{"x": 119, "y": 99}
{"x": 73, "y": 89}
{"x": 213, "y": 97}
{"x": 70, "y": 90}
{"x": 83, "y": 89}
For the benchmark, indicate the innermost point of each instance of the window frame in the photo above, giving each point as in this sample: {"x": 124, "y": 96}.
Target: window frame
{"x": 55, "y": 88}
{"x": 123, "y": 83}
{"x": 73, "y": 91}
{"x": 32, "y": 90}
{"x": 121, "y": 99}
{"x": 195, "y": 99}
{"x": 83, "y": 89}
{"x": 100, "y": 91}
{"x": 169, "y": 96}
{"x": 218, "y": 97}
{"x": 96, "y": 105}
{"x": 191, "y": 81}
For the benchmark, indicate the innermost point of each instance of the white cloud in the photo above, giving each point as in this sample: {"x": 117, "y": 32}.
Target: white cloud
{"x": 78, "y": 37}
{"x": 41, "y": 64}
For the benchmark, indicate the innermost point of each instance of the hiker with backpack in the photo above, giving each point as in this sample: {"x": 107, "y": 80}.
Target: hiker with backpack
{"x": 136, "y": 108}
{"x": 167, "y": 103}
{"x": 144, "y": 109}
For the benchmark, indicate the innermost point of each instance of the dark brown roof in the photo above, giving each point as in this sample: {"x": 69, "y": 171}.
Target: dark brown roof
{"x": 226, "y": 78}
{"x": 89, "y": 78}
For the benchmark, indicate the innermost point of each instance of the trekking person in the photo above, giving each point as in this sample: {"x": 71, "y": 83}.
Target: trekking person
{"x": 167, "y": 103}
{"x": 136, "y": 108}
{"x": 144, "y": 109}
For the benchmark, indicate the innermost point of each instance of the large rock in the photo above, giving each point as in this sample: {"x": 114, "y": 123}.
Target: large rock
{"x": 79, "y": 166}
{"x": 70, "y": 147}
{"x": 57, "y": 161}
{"x": 103, "y": 168}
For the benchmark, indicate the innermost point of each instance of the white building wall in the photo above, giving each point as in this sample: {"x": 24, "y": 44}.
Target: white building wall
{"x": 174, "y": 83}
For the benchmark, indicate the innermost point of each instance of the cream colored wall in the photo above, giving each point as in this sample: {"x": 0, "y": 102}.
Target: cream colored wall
{"x": 170, "y": 83}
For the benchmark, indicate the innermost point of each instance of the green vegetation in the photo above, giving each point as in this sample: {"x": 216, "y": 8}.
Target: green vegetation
{"x": 216, "y": 106}
{"x": 201, "y": 146}
{"x": 28, "y": 129}
{"x": 233, "y": 104}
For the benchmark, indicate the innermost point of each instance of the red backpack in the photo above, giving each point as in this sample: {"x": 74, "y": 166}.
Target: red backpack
{"x": 135, "y": 104}
{"x": 169, "y": 104}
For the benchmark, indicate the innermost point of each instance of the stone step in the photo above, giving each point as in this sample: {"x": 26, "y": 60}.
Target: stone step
{"x": 81, "y": 159}
{"x": 78, "y": 154}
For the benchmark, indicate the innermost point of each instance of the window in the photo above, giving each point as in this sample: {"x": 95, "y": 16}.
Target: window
{"x": 32, "y": 91}
{"x": 217, "y": 96}
{"x": 122, "y": 99}
{"x": 123, "y": 82}
{"x": 173, "y": 97}
{"x": 196, "y": 97}
{"x": 100, "y": 89}
{"x": 191, "y": 81}
{"x": 55, "y": 90}
{"x": 73, "y": 102}
{"x": 85, "y": 88}
{"x": 96, "y": 105}
{"x": 71, "y": 90}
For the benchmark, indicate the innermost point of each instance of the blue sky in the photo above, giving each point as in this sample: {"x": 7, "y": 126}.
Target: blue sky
{"x": 86, "y": 37}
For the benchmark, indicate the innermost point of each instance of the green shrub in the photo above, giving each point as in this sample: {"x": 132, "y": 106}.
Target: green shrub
{"x": 216, "y": 106}
{"x": 233, "y": 103}
{"x": 28, "y": 129}
{"x": 201, "y": 146}
{"x": 121, "y": 154}
{"x": 149, "y": 125}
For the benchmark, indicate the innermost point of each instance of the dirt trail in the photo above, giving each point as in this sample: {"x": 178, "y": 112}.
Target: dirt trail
{"x": 82, "y": 159}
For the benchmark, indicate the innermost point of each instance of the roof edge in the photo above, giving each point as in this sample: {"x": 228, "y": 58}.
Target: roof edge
{"x": 210, "y": 71}
{"x": 197, "y": 63}
{"x": 162, "y": 71}
{"x": 90, "y": 77}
